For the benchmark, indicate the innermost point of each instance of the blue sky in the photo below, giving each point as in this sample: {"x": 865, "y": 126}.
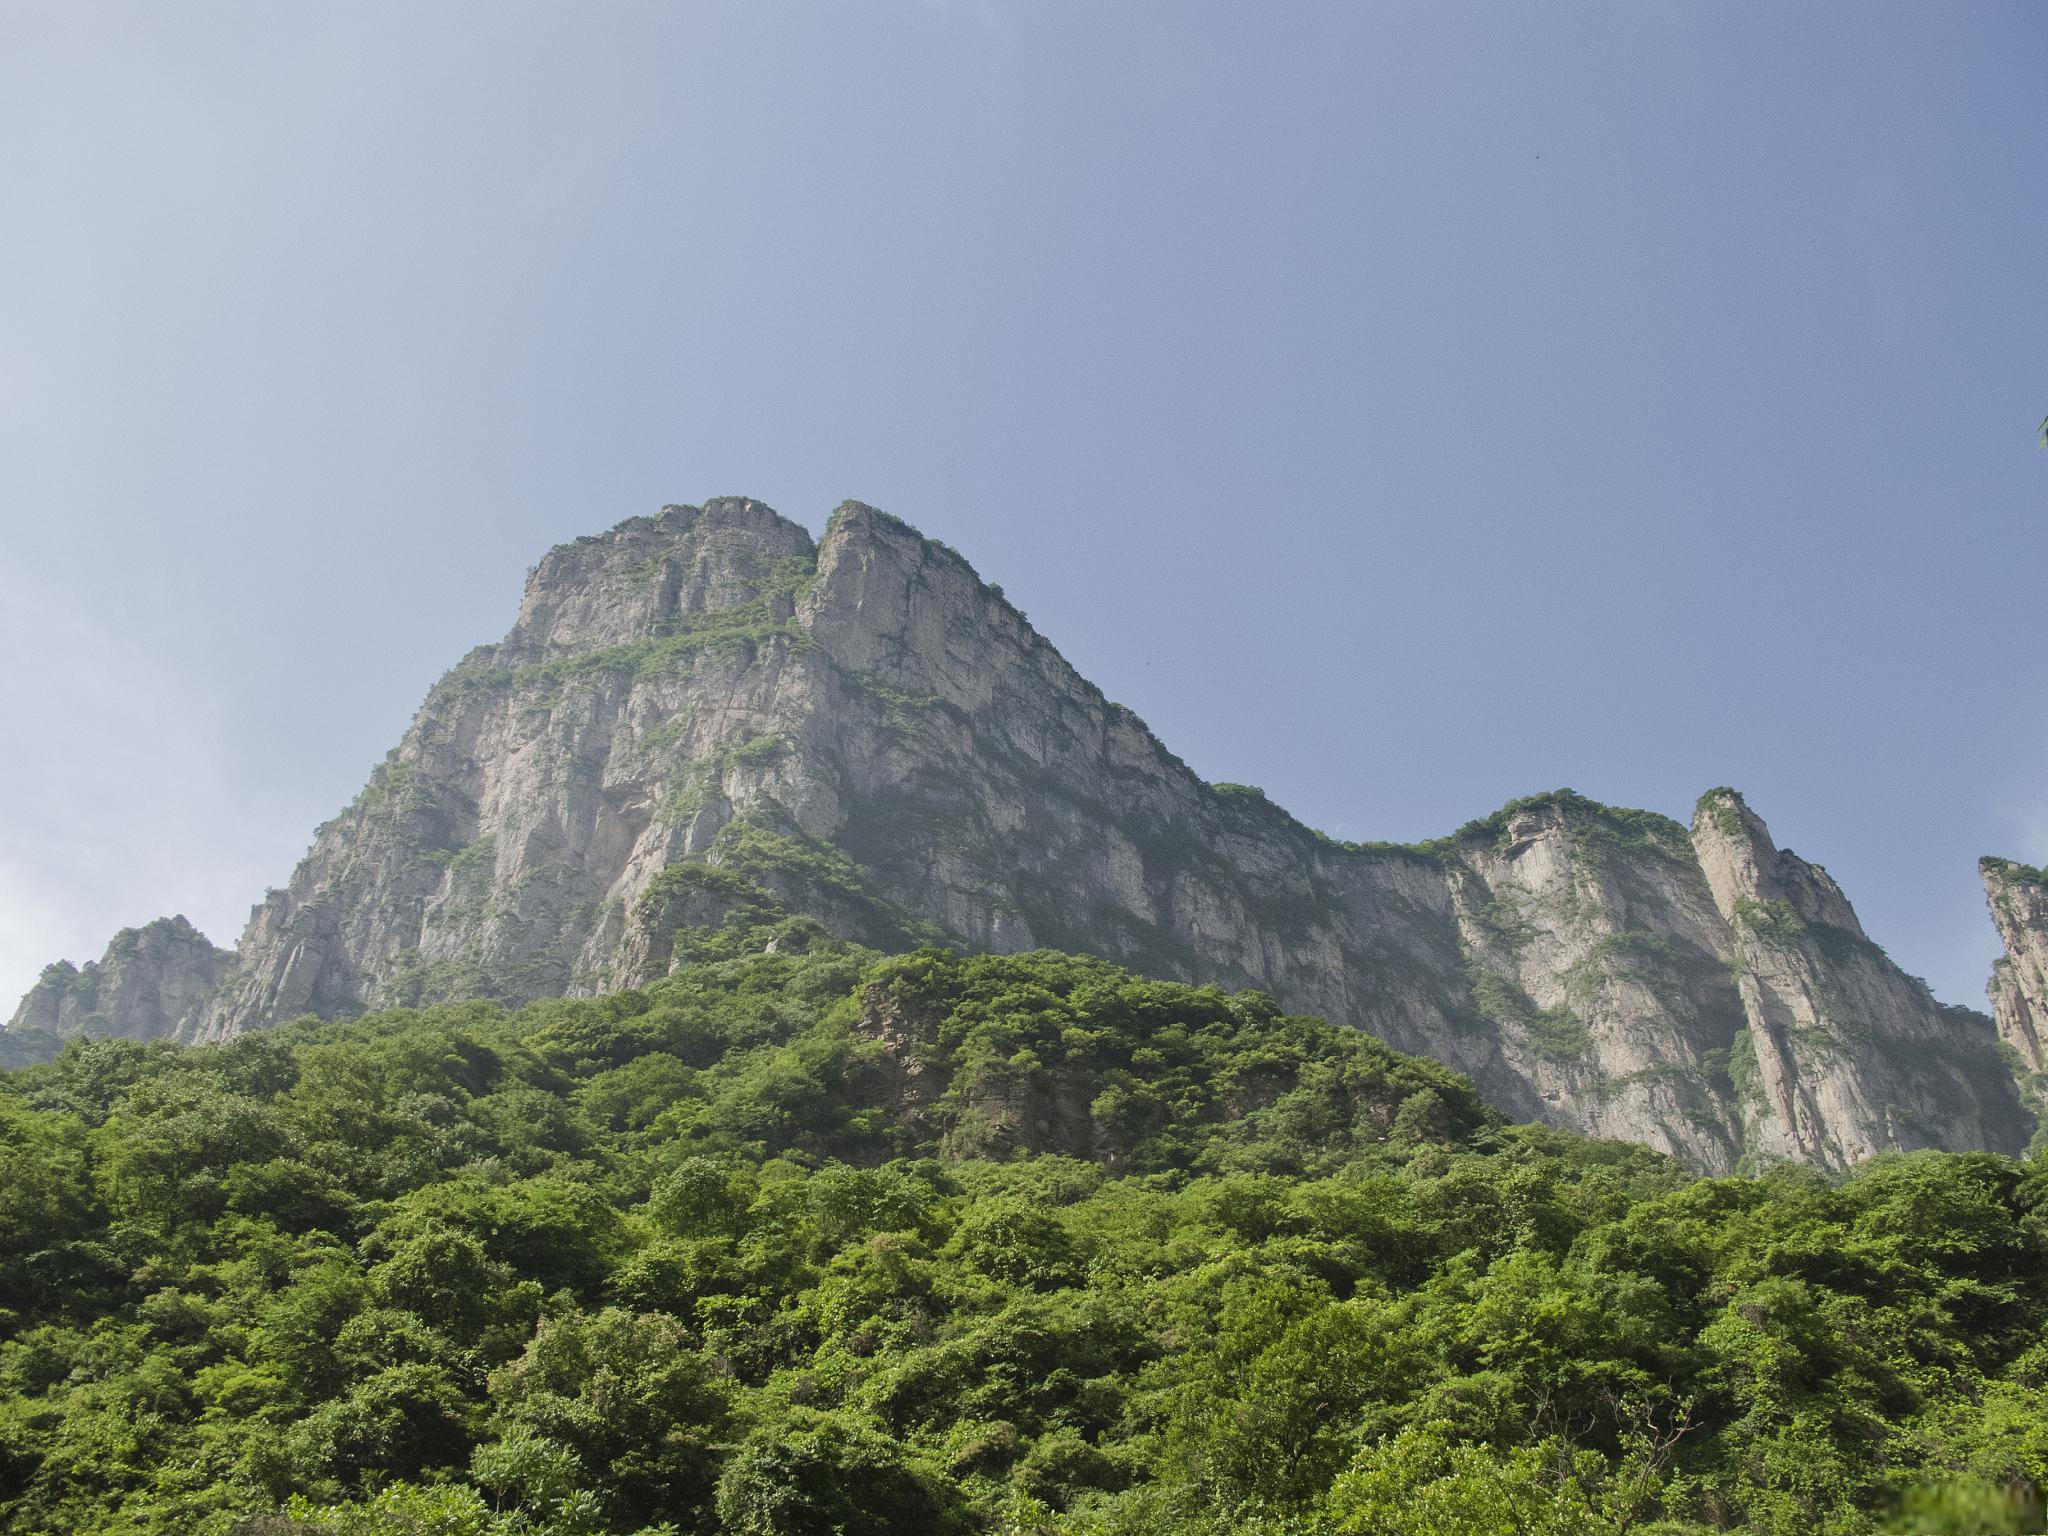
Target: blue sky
{"x": 1401, "y": 407}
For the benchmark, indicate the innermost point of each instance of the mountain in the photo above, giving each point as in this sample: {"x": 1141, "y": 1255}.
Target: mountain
{"x": 152, "y": 982}
{"x": 2018, "y": 896}
{"x": 2019, "y": 981}
{"x": 706, "y": 733}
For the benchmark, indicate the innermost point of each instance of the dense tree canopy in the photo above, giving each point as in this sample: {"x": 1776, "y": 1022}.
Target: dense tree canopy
{"x": 834, "y": 1243}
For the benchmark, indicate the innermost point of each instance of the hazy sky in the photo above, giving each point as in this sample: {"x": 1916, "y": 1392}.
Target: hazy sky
{"x": 1401, "y": 407}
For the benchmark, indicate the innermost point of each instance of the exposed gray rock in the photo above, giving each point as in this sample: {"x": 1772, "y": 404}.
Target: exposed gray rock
{"x": 2019, "y": 979}
{"x": 1844, "y": 1054}
{"x": 151, "y": 983}
{"x": 862, "y": 734}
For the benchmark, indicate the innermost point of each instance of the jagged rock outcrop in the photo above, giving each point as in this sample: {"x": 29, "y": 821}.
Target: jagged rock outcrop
{"x": 1844, "y": 1054}
{"x": 2019, "y": 978}
{"x": 705, "y": 730}
{"x": 151, "y": 983}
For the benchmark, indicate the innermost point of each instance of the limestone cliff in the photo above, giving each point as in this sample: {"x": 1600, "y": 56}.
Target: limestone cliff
{"x": 1843, "y": 1055}
{"x": 151, "y": 982}
{"x": 704, "y": 731}
{"x": 2019, "y": 980}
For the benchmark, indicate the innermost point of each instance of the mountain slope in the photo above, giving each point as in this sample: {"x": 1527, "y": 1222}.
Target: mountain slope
{"x": 864, "y": 733}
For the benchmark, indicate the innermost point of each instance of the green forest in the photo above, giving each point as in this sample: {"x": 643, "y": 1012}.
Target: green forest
{"x": 834, "y": 1242}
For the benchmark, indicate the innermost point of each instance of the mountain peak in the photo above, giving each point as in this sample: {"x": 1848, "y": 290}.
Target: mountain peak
{"x": 851, "y": 518}
{"x": 1743, "y": 864}
{"x": 641, "y": 578}
{"x": 150, "y": 982}
{"x": 707, "y": 734}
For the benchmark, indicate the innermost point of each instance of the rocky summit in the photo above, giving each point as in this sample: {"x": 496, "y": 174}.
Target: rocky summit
{"x": 152, "y": 982}
{"x": 707, "y": 734}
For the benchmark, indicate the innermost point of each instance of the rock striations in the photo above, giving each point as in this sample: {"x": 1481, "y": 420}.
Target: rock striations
{"x": 1844, "y": 1055}
{"x": 706, "y": 732}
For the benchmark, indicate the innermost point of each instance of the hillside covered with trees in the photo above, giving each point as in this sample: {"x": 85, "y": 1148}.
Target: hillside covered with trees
{"x": 830, "y": 1242}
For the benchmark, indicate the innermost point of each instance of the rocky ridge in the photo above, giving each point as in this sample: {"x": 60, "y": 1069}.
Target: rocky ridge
{"x": 1850, "y": 1055}
{"x": 152, "y": 982}
{"x": 706, "y": 732}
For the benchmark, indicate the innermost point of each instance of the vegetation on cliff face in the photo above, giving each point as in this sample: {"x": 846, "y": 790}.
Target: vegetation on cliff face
{"x": 2012, "y": 869}
{"x": 830, "y": 1242}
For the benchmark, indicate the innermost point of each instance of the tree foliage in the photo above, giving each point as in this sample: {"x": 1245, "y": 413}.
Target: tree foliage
{"x": 839, "y": 1243}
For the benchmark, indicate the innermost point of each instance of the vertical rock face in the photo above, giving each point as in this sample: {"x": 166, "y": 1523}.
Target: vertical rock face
{"x": 1593, "y": 952}
{"x": 497, "y": 851}
{"x": 1844, "y": 1055}
{"x": 706, "y": 733}
{"x": 2019, "y": 980}
{"x": 151, "y": 982}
